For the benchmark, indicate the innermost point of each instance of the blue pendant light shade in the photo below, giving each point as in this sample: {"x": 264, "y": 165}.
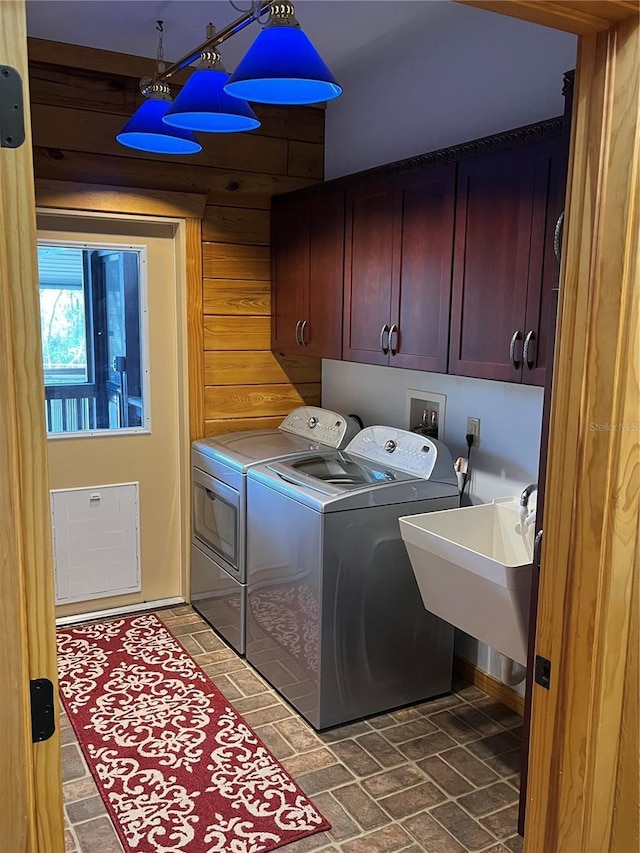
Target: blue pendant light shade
{"x": 204, "y": 105}
{"x": 145, "y": 131}
{"x": 282, "y": 66}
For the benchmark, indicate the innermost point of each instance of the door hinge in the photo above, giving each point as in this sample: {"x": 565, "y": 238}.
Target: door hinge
{"x": 11, "y": 108}
{"x": 43, "y": 720}
{"x": 543, "y": 672}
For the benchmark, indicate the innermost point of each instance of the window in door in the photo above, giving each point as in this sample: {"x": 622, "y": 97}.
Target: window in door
{"x": 93, "y": 324}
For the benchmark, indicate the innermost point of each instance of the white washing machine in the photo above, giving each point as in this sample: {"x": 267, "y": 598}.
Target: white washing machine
{"x": 218, "y": 542}
{"x": 335, "y": 619}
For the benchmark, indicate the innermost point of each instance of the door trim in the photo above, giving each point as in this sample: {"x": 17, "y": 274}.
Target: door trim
{"x": 30, "y": 774}
{"x": 583, "y": 763}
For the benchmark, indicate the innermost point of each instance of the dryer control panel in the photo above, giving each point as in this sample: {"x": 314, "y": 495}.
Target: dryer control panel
{"x": 320, "y": 426}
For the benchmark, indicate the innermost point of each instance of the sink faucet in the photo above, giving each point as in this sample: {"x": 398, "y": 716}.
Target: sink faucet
{"x": 527, "y": 517}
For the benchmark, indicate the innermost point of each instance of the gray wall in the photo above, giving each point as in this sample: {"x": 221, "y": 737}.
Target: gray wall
{"x": 467, "y": 74}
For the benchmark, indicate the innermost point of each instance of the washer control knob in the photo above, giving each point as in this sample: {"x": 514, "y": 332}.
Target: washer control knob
{"x": 390, "y": 445}
{"x": 312, "y": 422}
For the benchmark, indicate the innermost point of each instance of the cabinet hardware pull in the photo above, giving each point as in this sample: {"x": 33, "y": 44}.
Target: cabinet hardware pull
{"x": 557, "y": 237}
{"x": 537, "y": 551}
{"x": 531, "y": 337}
{"x": 302, "y": 338}
{"x": 298, "y": 324}
{"x": 384, "y": 330}
{"x": 393, "y": 331}
{"x": 512, "y": 350}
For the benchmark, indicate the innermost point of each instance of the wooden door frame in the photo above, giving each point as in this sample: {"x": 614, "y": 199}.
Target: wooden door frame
{"x": 583, "y": 758}
{"x": 583, "y": 764}
{"x": 30, "y": 774}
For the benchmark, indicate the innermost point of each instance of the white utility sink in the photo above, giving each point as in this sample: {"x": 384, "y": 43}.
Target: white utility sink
{"x": 473, "y": 568}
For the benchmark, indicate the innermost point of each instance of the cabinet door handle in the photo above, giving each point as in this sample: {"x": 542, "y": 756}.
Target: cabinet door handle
{"x": 512, "y": 350}
{"x": 302, "y": 338}
{"x": 393, "y": 331}
{"x": 384, "y": 331}
{"x": 531, "y": 338}
{"x": 557, "y": 237}
{"x": 298, "y": 324}
{"x": 537, "y": 551}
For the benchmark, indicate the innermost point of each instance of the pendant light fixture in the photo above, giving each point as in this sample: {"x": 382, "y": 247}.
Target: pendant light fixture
{"x": 282, "y": 66}
{"x": 145, "y": 130}
{"x": 203, "y": 103}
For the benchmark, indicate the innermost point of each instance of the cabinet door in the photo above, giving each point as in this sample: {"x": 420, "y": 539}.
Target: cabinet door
{"x": 423, "y": 257}
{"x": 289, "y": 273}
{"x": 491, "y": 260}
{"x": 544, "y": 267}
{"x": 322, "y": 335}
{"x": 368, "y": 270}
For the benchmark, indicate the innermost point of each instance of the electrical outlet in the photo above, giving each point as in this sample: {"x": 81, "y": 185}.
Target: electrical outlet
{"x": 473, "y": 428}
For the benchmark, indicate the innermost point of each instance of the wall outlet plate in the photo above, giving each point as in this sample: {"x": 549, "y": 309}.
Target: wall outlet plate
{"x": 418, "y": 401}
{"x": 473, "y": 427}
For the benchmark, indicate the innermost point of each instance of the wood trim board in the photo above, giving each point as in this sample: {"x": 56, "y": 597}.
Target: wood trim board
{"x": 104, "y": 198}
{"x": 492, "y": 686}
{"x": 31, "y": 816}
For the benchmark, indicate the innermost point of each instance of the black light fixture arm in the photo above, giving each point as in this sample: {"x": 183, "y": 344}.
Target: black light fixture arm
{"x": 257, "y": 9}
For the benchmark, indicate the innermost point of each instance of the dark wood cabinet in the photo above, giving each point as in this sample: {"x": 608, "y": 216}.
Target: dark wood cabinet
{"x": 367, "y": 273}
{"x": 544, "y": 265}
{"x": 494, "y": 208}
{"x": 423, "y": 253}
{"x": 307, "y": 244}
{"x": 504, "y": 266}
{"x": 399, "y": 246}
{"x": 447, "y": 263}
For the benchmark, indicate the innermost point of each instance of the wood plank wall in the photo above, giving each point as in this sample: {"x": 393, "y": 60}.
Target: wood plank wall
{"x": 78, "y": 104}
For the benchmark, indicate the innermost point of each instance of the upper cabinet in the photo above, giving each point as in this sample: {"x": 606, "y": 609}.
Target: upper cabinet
{"x": 367, "y": 273}
{"x": 443, "y": 263}
{"x": 307, "y": 241}
{"x": 504, "y": 267}
{"x": 399, "y": 243}
{"x": 544, "y": 266}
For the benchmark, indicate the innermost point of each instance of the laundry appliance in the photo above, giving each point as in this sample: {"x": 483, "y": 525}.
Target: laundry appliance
{"x": 335, "y": 619}
{"x": 219, "y": 466}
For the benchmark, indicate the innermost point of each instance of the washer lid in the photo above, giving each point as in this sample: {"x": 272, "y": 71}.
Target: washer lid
{"x": 335, "y": 481}
{"x": 341, "y": 472}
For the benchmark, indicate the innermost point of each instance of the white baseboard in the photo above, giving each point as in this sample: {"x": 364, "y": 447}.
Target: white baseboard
{"x": 118, "y": 611}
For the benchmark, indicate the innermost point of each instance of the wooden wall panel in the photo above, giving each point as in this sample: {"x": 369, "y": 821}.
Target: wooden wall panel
{"x": 306, "y": 160}
{"x": 246, "y": 401}
{"x": 81, "y": 98}
{"x": 241, "y": 368}
{"x": 84, "y": 130}
{"x": 226, "y": 260}
{"x": 237, "y": 297}
{"x": 237, "y": 333}
{"x": 235, "y": 225}
{"x": 151, "y": 171}
{"x": 223, "y": 426}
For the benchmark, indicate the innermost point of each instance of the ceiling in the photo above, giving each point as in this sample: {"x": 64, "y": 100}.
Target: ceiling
{"x": 344, "y": 31}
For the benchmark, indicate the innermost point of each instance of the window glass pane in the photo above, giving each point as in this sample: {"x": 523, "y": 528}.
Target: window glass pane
{"x": 91, "y": 338}
{"x": 62, "y": 315}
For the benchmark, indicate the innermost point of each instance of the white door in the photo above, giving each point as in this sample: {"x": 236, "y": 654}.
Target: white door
{"x": 115, "y": 410}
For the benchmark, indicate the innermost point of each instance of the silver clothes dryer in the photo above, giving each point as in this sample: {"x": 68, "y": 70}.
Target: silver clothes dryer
{"x": 218, "y": 529}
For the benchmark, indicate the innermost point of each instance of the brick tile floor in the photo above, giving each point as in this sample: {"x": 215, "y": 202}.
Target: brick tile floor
{"x": 438, "y": 777}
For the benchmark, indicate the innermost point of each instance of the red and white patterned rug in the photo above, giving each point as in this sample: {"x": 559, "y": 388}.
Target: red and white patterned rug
{"x": 177, "y": 767}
